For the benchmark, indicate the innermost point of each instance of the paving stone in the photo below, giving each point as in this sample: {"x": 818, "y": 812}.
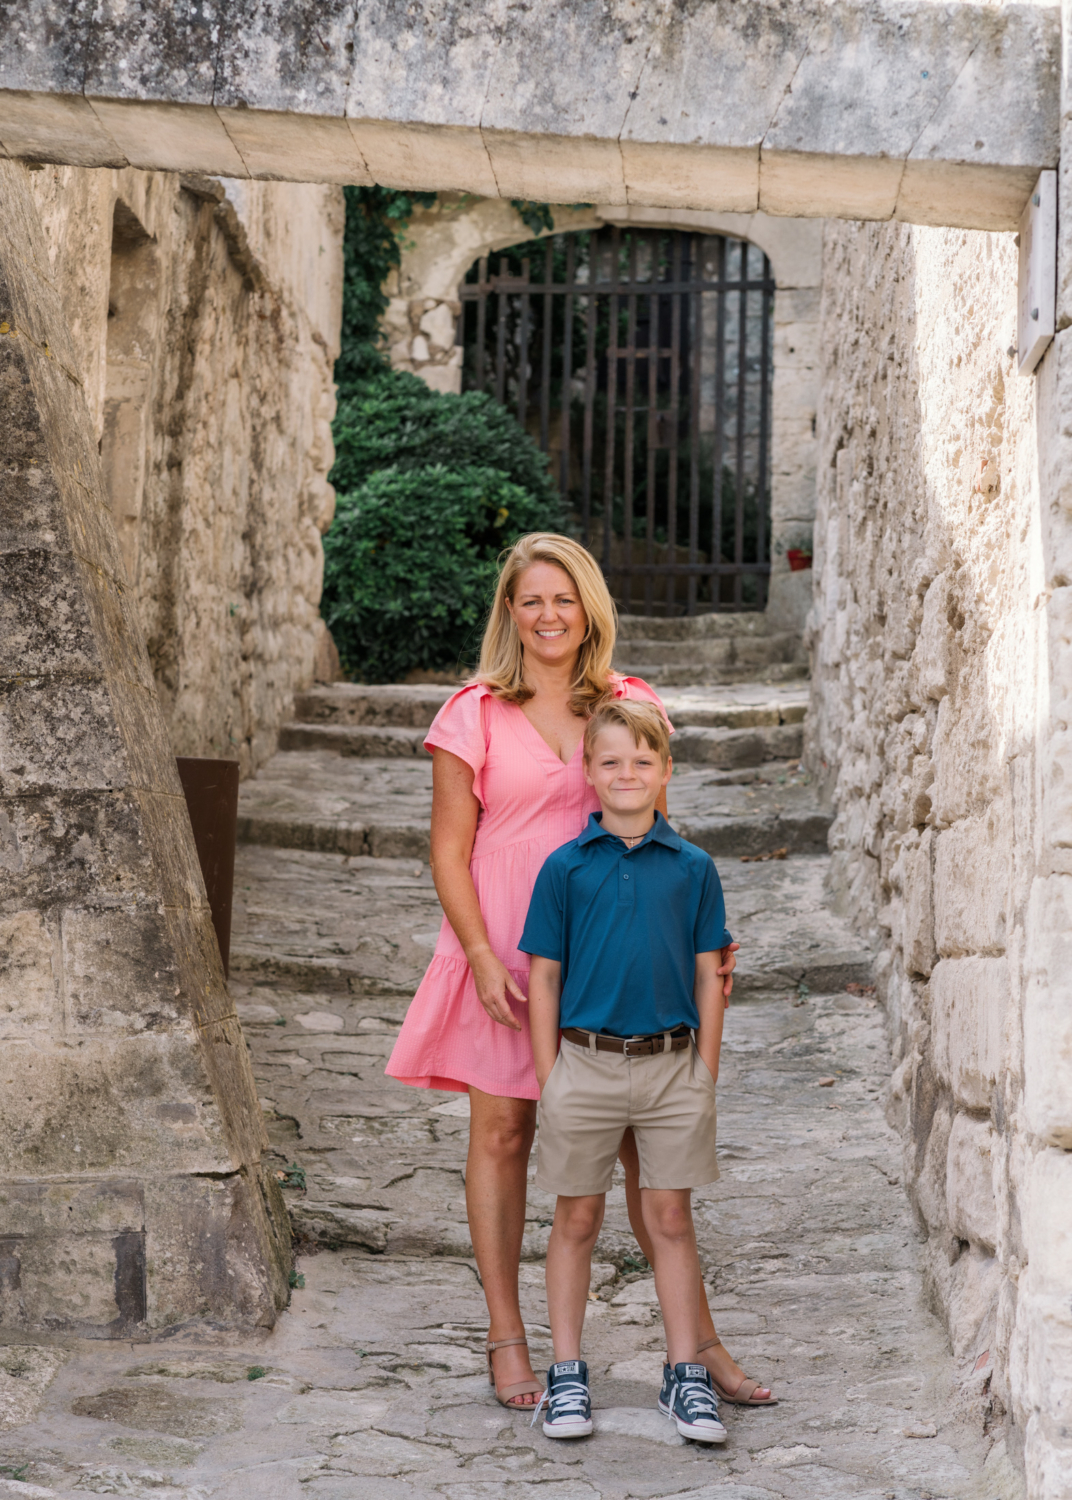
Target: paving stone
{"x": 322, "y": 802}
{"x": 374, "y": 1383}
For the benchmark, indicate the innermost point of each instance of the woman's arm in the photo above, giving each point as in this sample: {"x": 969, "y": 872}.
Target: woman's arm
{"x": 545, "y": 989}
{"x": 711, "y": 1008}
{"x": 455, "y": 811}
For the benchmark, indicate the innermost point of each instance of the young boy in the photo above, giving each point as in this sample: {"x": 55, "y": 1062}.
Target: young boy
{"x": 624, "y": 929}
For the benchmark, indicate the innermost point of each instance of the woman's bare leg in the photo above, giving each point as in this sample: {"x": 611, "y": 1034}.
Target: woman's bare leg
{"x": 500, "y": 1139}
{"x": 723, "y": 1367}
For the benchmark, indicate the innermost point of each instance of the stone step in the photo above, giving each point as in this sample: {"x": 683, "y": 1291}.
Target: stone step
{"x": 732, "y": 653}
{"x": 707, "y": 675}
{"x": 692, "y": 627}
{"x": 322, "y": 803}
{"x": 383, "y": 705}
{"x": 400, "y": 706}
{"x": 726, "y": 749}
{"x": 369, "y": 740}
{"x": 368, "y": 927}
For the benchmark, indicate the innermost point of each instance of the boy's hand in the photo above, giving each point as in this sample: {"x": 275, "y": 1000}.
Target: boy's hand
{"x": 729, "y": 963}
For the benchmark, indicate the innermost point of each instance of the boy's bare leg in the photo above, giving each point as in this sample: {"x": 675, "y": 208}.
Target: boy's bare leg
{"x": 496, "y": 1177}
{"x": 668, "y": 1219}
{"x": 569, "y": 1269}
{"x": 719, "y": 1361}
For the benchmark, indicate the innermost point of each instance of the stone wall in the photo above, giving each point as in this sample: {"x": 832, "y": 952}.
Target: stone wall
{"x": 205, "y": 322}
{"x": 132, "y": 1191}
{"x": 442, "y": 242}
{"x": 942, "y": 647}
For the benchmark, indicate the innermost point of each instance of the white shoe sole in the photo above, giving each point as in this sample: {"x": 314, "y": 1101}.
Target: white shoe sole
{"x": 700, "y": 1434}
{"x": 568, "y": 1430}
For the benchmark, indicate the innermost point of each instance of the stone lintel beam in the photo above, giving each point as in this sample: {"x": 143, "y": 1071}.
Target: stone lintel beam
{"x": 132, "y": 1190}
{"x": 934, "y": 114}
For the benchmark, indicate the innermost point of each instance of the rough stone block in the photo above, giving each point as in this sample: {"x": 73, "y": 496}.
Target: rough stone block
{"x": 970, "y": 884}
{"x": 29, "y": 998}
{"x": 1048, "y": 1012}
{"x": 969, "y": 1182}
{"x": 969, "y": 998}
{"x": 918, "y": 912}
{"x": 78, "y": 1260}
{"x": 70, "y": 848}
{"x": 110, "y": 1105}
{"x": 167, "y": 136}
{"x": 45, "y": 627}
{"x": 119, "y": 971}
{"x": 725, "y": 179}
{"x": 56, "y": 735}
{"x": 225, "y": 1243}
{"x": 425, "y": 157}
{"x": 297, "y": 147}
{"x": 53, "y": 127}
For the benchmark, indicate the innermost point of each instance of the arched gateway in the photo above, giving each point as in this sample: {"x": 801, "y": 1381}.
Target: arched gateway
{"x": 641, "y": 361}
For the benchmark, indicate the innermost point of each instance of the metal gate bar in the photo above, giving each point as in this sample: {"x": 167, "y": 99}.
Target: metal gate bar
{"x": 669, "y": 367}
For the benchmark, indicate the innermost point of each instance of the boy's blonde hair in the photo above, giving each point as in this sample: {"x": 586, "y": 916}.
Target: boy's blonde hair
{"x": 643, "y": 721}
{"x": 501, "y": 655}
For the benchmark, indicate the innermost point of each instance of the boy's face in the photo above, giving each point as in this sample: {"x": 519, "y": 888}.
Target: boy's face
{"x": 627, "y": 777}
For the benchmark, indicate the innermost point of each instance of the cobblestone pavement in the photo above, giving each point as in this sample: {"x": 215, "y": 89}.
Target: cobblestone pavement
{"x": 371, "y": 1386}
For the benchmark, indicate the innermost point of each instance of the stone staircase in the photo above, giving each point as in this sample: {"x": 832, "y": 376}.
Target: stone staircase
{"x": 708, "y": 649}
{"x": 352, "y": 775}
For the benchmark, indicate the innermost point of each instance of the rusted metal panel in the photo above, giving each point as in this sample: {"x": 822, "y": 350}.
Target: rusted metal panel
{"x": 211, "y": 789}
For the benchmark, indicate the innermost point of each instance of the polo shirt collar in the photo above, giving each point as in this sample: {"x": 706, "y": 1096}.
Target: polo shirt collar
{"x": 661, "y": 833}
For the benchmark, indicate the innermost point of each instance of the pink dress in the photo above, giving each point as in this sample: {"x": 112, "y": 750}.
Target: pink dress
{"x": 530, "y": 803}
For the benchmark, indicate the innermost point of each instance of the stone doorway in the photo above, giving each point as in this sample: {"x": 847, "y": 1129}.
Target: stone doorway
{"x": 641, "y": 361}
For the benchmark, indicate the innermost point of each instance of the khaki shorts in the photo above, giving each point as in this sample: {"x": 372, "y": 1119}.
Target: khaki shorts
{"x": 592, "y": 1097}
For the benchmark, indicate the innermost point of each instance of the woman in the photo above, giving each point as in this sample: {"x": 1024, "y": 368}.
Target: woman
{"x": 508, "y": 787}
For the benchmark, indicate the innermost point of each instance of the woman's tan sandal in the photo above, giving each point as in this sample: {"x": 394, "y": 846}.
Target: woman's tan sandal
{"x": 508, "y": 1395}
{"x": 745, "y": 1394}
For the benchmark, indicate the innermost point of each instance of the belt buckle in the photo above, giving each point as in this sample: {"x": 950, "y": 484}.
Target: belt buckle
{"x": 627, "y": 1043}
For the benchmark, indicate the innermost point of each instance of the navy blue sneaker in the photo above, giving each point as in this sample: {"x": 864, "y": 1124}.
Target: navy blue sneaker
{"x": 569, "y": 1406}
{"x": 689, "y": 1400}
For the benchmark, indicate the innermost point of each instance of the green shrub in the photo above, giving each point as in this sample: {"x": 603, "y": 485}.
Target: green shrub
{"x": 395, "y": 419}
{"x": 410, "y": 565}
{"x": 430, "y": 487}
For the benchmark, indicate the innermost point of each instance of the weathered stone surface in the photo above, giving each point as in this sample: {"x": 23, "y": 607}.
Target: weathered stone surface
{"x": 119, "y": 1058}
{"x": 806, "y": 108}
{"x": 937, "y": 725}
{"x": 969, "y": 998}
{"x": 372, "y": 1384}
{"x": 210, "y": 390}
{"x": 969, "y": 1181}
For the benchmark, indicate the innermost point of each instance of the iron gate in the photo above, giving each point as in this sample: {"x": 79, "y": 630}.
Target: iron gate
{"x": 640, "y": 360}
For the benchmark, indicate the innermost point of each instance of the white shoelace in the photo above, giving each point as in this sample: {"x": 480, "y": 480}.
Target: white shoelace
{"x": 570, "y": 1397}
{"x": 699, "y": 1401}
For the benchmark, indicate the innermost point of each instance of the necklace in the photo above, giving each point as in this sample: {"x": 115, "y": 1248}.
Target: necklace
{"x": 631, "y": 839}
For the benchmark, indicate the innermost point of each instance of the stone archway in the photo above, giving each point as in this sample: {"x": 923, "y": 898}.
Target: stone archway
{"x": 443, "y": 242}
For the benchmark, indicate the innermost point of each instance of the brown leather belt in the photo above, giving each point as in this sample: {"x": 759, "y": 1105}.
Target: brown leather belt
{"x": 631, "y": 1046}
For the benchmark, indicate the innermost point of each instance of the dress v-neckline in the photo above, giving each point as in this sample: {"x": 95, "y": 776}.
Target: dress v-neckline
{"x": 562, "y": 764}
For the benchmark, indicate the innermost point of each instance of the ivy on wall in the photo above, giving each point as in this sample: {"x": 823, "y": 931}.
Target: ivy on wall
{"x": 430, "y": 487}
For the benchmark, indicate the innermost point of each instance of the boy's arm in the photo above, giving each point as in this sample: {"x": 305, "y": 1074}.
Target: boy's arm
{"x": 545, "y": 988}
{"x": 710, "y": 1007}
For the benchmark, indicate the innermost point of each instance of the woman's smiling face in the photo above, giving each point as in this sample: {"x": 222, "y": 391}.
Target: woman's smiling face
{"x": 548, "y": 613}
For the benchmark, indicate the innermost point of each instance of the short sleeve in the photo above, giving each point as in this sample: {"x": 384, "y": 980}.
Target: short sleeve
{"x": 543, "y": 934}
{"x": 638, "y": 689}
{"x": 710, "y": 932}
{"x": 461, "y": 726}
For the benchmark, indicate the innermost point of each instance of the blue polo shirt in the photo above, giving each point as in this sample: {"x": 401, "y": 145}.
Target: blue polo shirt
{"x": 626, "y": 926}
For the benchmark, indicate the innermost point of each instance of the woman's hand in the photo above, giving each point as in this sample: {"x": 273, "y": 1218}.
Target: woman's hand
{"x": 729, "y": 963}
{"x": 494, "y": 983}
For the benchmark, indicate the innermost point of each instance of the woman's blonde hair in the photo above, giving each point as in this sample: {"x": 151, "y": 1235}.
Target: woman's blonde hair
{"x": 502, "y": 657}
